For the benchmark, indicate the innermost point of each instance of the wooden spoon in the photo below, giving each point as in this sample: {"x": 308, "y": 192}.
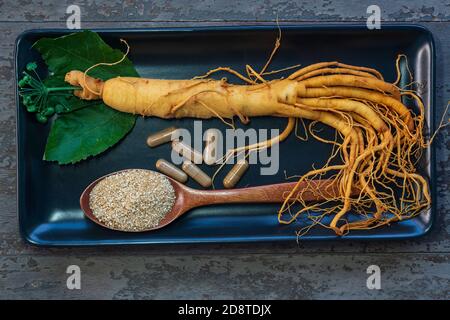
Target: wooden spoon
{"x": 187, "y": 198}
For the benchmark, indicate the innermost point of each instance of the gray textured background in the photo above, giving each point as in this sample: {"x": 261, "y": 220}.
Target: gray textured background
{"x": 410, "y": 269}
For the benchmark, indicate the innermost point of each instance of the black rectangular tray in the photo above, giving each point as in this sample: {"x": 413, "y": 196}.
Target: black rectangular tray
{"x": 48, "y": 194}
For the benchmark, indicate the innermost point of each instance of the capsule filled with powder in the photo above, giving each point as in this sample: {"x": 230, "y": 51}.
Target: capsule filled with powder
{"x": 171, "y": 170}
{"x": 197, "y": 174}
{"x": 235, "y": 174}
{"x": 162, "y": 136}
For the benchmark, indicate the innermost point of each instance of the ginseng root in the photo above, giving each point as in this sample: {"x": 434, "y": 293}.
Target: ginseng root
{"x": 379, "y": 139}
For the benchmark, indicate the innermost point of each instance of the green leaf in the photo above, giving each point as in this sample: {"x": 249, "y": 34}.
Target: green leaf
{"x": 86, "y": 132}
{"x": 81, "y": 50}
{"x": 89, "y": 127}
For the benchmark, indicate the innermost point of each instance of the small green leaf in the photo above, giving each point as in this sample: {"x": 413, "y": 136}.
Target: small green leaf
{"x": 81, "y": 50}
{"x": 87, "y": 132}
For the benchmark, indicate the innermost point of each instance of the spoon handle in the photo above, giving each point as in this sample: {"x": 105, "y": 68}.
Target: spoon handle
{"x": 273, "y": 193}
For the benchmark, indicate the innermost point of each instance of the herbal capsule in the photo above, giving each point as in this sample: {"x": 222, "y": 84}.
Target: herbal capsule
{"x": 161, "y": 137}
{"x": 187, "y": 152}
{"x": 235, "y": 174}
{"x": 171, "y": 170}
{"x": 197, "y": 174}
{"x": 210, "y": 154}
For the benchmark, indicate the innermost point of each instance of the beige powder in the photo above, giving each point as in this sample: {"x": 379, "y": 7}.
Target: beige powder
{"x": 132, "y": 200}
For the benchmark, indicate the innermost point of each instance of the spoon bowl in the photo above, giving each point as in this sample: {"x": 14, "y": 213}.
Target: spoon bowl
{"x": 187, "y": 198}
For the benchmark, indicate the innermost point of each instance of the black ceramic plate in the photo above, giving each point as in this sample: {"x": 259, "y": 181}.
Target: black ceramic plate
{"x": 48, "y": 194}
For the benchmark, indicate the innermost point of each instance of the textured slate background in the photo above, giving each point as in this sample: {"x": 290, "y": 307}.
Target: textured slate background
{"x": 410, "y": 269}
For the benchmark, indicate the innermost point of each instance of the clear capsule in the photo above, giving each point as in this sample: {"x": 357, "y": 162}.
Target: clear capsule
{"x": 171, "y": 170}
{"x": 210, "y": 153}
{"x": 162, "y": 136}
{"x": 235, "y": 174}
{"x": 197, "y": 174}
{"x": 187, "y": 152}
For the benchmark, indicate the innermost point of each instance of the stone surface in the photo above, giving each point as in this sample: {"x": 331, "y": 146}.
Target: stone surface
{"x": 225, "y": 10}
{"x": 418, "y": 268}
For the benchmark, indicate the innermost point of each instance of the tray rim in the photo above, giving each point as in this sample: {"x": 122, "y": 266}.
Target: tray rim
{"x": 218, "y": 240}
